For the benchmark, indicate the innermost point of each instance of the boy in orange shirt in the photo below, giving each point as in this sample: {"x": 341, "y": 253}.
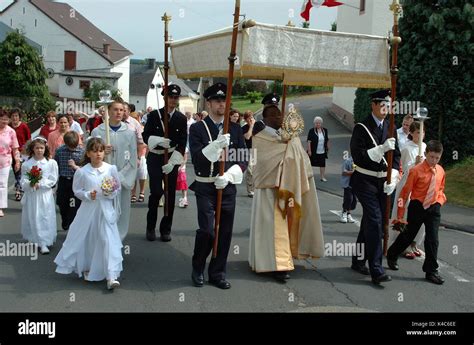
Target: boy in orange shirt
{"x": 425, "y": 188}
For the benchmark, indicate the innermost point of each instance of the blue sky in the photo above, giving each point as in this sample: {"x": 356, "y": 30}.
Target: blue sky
{"x": 137, "y": 24}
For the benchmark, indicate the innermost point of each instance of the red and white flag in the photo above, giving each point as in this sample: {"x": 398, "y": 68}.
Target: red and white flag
{"x": 309, "y": 4}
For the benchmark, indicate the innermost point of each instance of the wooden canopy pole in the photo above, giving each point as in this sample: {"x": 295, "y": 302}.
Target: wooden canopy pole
{"x": 396, "y": 8}
{"x": 166, "y": 18}
{"x": 230, "y": 79}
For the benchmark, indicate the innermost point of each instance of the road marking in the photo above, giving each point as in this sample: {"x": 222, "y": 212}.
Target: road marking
{"x": 339, "y": 213}
{"x": 454, "y": 272}
{"x": 447, "y": 268}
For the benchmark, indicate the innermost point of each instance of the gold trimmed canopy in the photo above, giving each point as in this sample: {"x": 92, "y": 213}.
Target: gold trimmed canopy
{"x": 297, "y": 56}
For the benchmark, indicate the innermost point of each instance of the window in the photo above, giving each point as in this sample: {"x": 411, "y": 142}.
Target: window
{"x": 84, "y": 84}
{"x": 362, "y": 7}
{"x": 69, "y": 60}
{"x": 36, "y": 23}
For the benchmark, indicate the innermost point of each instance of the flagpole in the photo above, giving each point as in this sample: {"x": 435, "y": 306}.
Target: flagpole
{"x": 230, "y": 79}
{"x": 396, "y": 8}
{"x": 166, "y": 19}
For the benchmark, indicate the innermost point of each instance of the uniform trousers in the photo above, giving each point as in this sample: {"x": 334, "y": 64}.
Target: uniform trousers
{"x": 206, "y": 205}
{"x": 369, "y": 192}
{"x": 155, "y": 176}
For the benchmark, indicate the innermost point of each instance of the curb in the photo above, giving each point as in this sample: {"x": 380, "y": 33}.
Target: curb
{"x": 448, "y": 225}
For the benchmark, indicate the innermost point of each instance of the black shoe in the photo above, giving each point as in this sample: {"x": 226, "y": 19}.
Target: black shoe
{"x": 150, "y": 235}
{"x": 392, "y": 264}
{"x": 165, "y": 238}
{"x": 434, "y": 278}
{"x": 361, "y": 269}
{"x": 197, "y": 278}
{"x": 281, "y": 276}
{"x": 381, "y": 279}
{"x": 221, "y": 284}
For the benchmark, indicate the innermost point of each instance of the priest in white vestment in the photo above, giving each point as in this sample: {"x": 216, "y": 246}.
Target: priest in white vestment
{"x": 285, "y": 222}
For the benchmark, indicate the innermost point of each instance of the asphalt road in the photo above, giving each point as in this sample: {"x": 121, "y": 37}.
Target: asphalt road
{"x": 156, "y": 275}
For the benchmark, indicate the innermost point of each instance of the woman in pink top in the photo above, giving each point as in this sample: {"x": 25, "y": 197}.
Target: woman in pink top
{"x": 56, "y": 138}
{"x": 8, "y": 148}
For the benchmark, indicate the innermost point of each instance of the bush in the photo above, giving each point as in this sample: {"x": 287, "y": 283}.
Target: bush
{"x": 252, "y": 96}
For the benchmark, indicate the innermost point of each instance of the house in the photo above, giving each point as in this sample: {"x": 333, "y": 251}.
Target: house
{"x": 145, "y": 84}
{"x": 75, "y": 52}
{"x": 372, "y": 17}
{"x": 5, "y": 30}
{"x": 188, "y": 101}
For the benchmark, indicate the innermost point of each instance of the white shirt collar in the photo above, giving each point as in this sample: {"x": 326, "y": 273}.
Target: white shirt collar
{"x": 377, "y": 121}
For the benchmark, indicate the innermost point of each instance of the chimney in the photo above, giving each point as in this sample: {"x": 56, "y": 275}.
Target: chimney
{"x": 106, "y": 49}
{"x": 151, "y": 63}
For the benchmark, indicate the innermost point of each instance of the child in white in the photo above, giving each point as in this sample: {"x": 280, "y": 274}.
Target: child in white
{"x": 408, "y": 160}
{"x": 38, "y": 217}
{"x": 93, "y": 245}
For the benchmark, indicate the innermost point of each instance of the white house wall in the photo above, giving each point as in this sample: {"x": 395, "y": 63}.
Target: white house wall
{"x": 55, "y": 40}
{"x": 377, "y": 20}
{"x": 73, "y": 91}
{"x": 138, "y": 101}
{"x": 124, "y": 81}
{"x": 151, "y": 97}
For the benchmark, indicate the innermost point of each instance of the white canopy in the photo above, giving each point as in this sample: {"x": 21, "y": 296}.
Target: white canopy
{"x": 297, "y": 56}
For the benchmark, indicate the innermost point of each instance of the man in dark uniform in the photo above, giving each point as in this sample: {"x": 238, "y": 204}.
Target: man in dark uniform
{"x": 369, "y": 145}
{"x": 269, "y": 99}
{"x": 207, "y": 143}
{"x": 153, "y": 136}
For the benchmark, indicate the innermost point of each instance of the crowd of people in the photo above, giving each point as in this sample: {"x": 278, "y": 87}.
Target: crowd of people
{"x": 93, "y": 177}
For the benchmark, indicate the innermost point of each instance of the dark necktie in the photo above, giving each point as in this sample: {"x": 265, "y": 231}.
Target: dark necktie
{"x": 380, "y": 135}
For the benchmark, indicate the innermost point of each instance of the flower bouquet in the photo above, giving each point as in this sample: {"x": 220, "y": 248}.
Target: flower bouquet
{"x": 34, "y": 175}
{"x": 109, "y": 185}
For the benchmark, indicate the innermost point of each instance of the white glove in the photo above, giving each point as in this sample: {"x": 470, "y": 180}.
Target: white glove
{"x": 376, "y": 153}
{"x": 234, "y": 176}
{"x": 154, "y": 141}
{"x": 175, "y": 159}
{"x": 213, "y": 151}
{"x": 389, "y": 144}
{"x": 390, "y": 188}
{"x": 223, "y": 140}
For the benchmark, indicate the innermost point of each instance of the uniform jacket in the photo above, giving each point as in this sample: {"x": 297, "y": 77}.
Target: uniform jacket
{"x": 199, "y": 138}
{"x": 177, "y": 129}
{"x": 361, "y": 142}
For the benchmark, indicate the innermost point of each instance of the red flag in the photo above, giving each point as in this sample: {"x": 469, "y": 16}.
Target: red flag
{"x": 309, "y": 4}
{"x": 332, "y": 3}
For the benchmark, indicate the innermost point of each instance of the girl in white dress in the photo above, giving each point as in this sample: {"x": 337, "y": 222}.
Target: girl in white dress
{"x": 93, "y": 247}
{"x": 410, "y": 157}
{"x": 38, "y": 217}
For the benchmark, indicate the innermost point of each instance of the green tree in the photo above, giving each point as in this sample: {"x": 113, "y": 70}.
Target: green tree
{"x": 22, "y": 73}
{"x": 92, "y": 93}
{"x": 253, "y": 96}
{"x": 277, "y": 87}
{"x": 362, "y": 107}
{"x": 435, "y": 62}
